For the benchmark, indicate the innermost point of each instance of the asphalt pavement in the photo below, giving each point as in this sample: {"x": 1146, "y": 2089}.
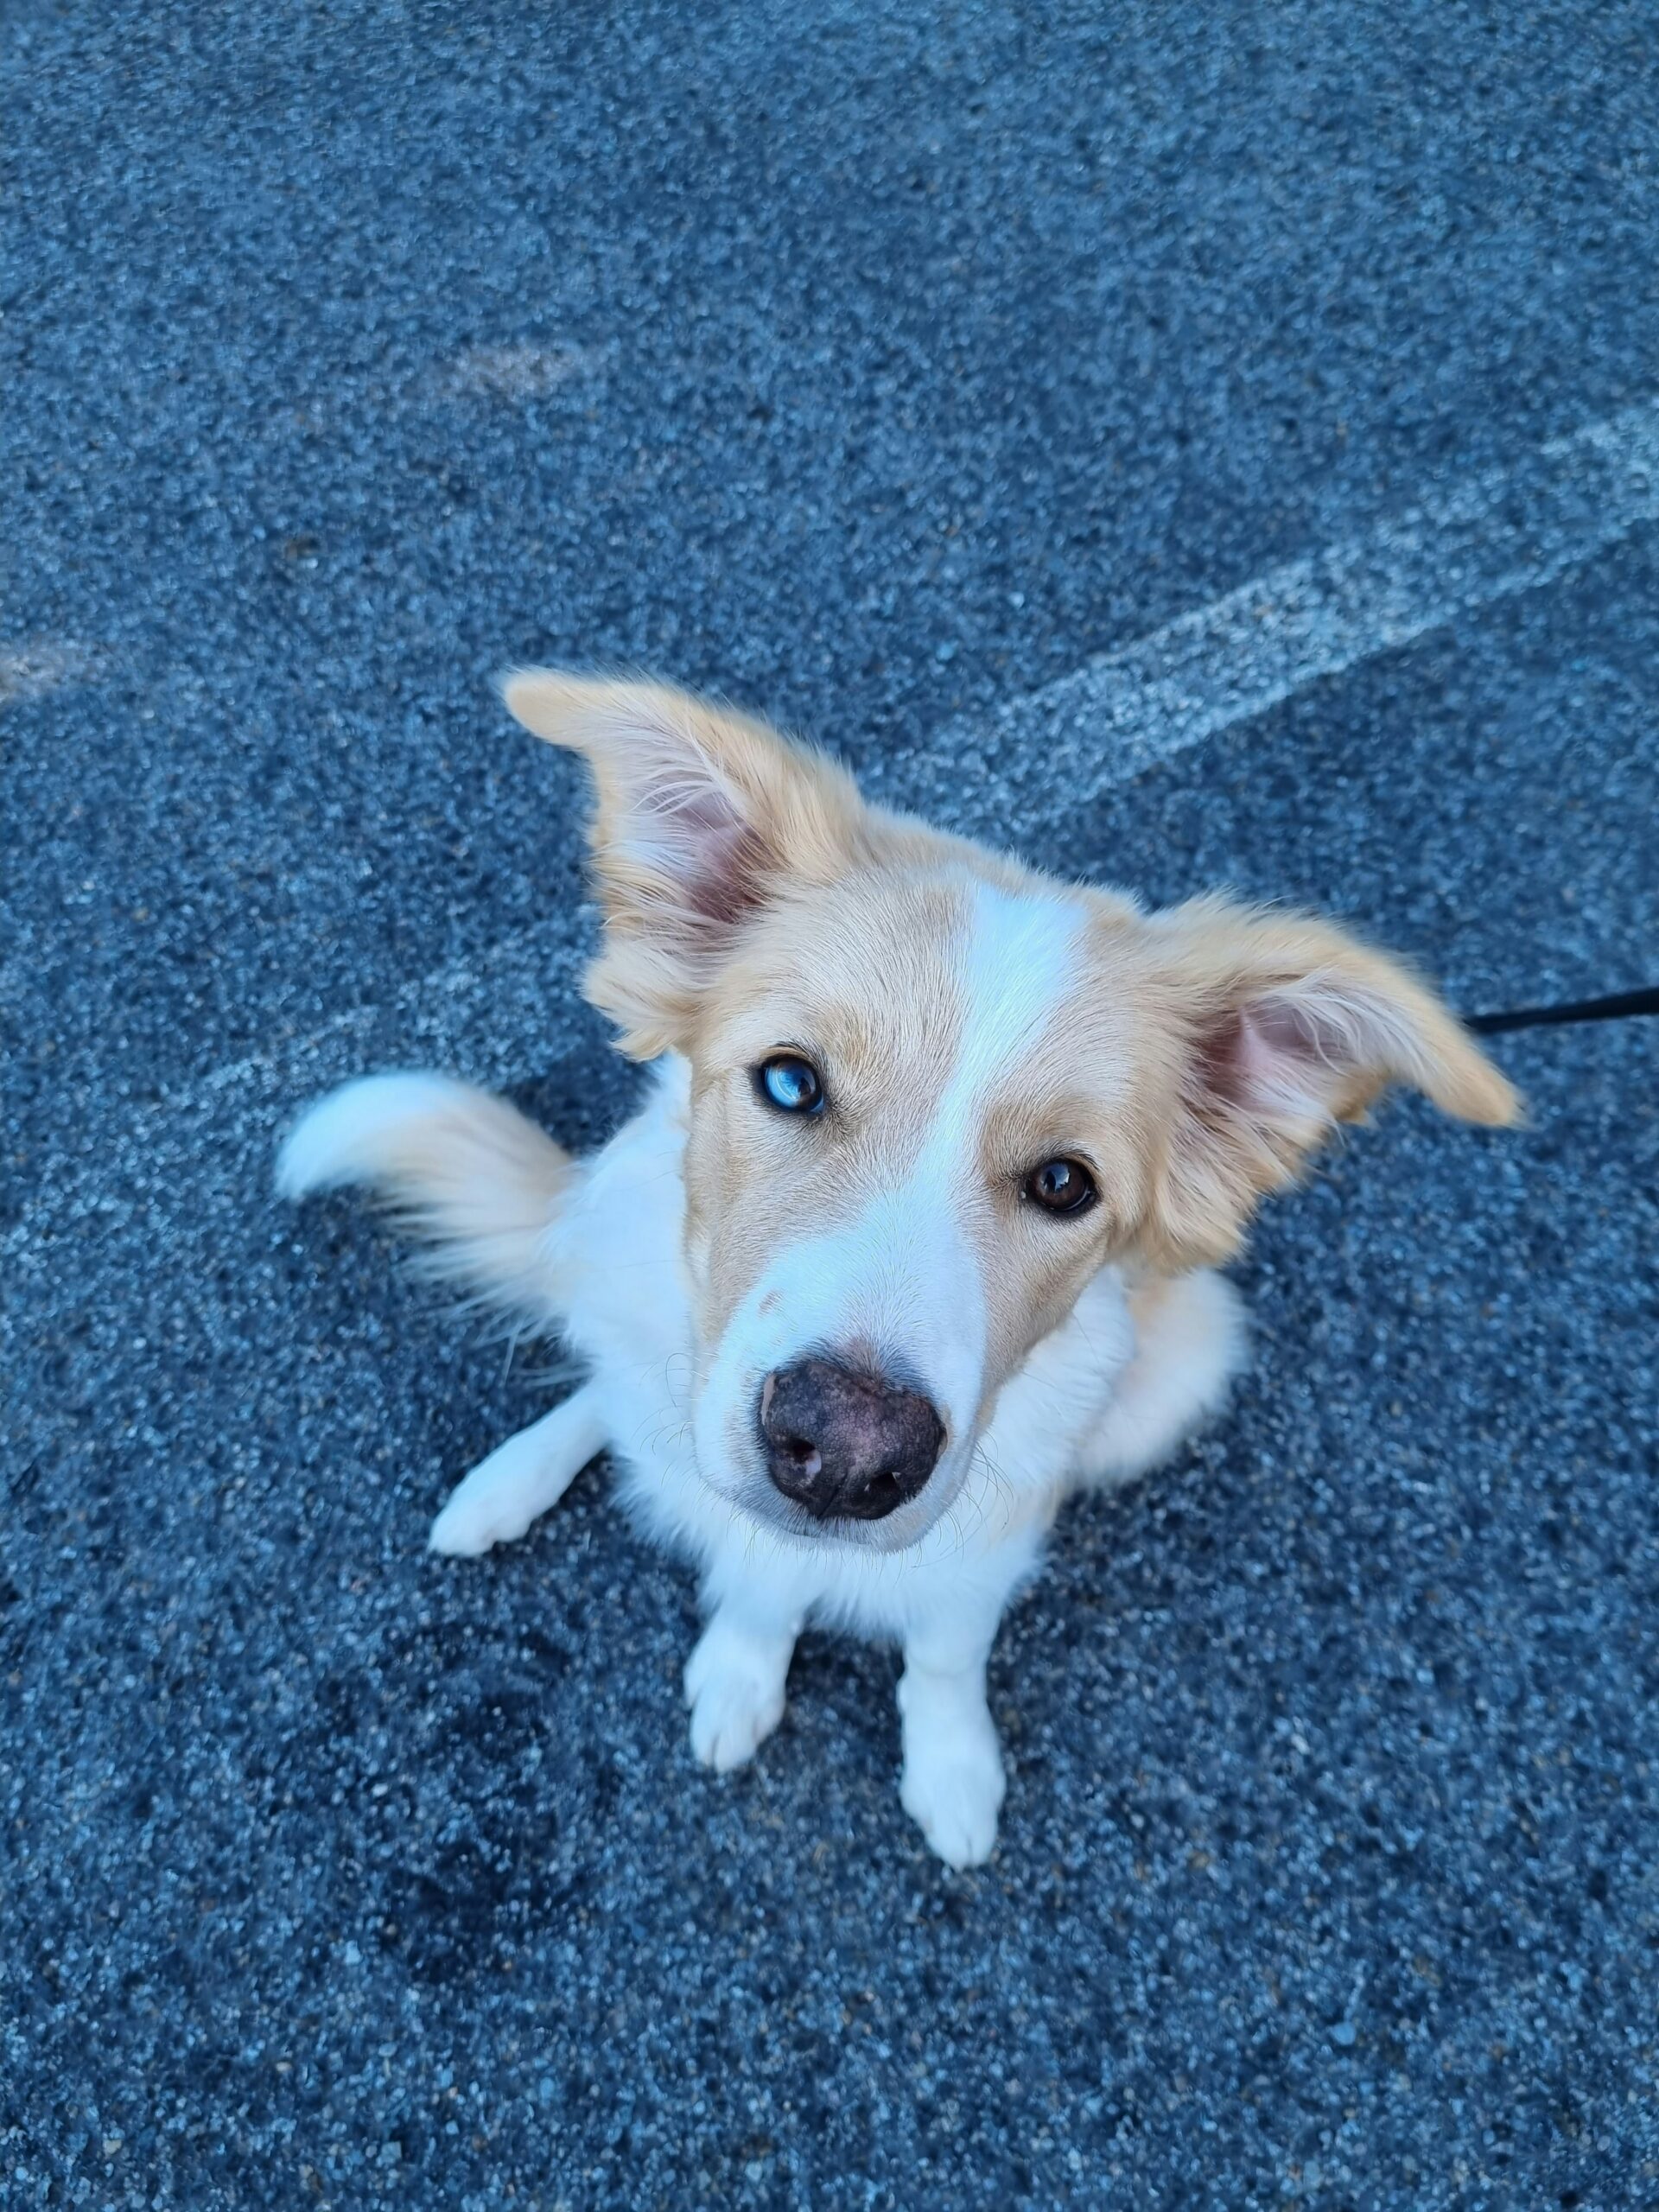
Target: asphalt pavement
{"x": 894, "y": 371}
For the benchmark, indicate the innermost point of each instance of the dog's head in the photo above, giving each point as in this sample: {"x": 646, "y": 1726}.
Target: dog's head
{"x": 932, "y": 1092}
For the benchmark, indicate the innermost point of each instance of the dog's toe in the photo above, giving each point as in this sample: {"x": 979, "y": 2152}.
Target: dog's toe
{"x": 955, "y": 1802}
{"x": 736, "y": 1690}
{"x": 731, "y": 1717}
{"x": 467, "y": 1529}
{"x": 505, "y": 1494}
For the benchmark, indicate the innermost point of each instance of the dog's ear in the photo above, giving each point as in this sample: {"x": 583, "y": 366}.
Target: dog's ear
{"x": 703, "y": 816}
{"x": 1283, "y": 1026}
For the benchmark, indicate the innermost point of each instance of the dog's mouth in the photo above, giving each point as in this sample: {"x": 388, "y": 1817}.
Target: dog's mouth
{"x": 884, "y": 1532}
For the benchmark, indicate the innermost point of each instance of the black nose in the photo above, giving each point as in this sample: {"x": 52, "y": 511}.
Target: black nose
{"x": 846, "y": 1444}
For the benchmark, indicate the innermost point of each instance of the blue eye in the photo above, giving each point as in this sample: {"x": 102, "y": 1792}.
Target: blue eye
{"x": 789, "y": 1084}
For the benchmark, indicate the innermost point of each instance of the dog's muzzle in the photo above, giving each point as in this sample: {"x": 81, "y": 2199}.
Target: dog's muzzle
{"x": 846, "y": 1445}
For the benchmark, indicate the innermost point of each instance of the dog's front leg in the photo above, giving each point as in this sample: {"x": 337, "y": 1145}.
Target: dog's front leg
{"x": 953, "y": 1783}
{"x": 522, "y": 1478}
{"x": 734, "y": 1677}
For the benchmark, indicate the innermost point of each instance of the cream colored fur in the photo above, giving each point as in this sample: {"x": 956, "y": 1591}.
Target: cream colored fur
{"x": 970, "y": 1020}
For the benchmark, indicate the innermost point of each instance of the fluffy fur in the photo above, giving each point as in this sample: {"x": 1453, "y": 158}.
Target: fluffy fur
{"x": 971, "y": 1019}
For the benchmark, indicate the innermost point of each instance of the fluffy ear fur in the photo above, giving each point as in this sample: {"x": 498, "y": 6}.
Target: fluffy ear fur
{"x": 1288, "y": 1025}
{"x": 703, "y": 816}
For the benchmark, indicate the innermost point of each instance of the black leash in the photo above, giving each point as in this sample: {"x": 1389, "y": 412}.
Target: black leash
{"x": 1619, "y": 1008}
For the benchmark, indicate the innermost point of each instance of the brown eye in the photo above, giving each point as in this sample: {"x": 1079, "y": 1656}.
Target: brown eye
{"x": 1061, "y": 1186}
{"x": 789, "y": 1084}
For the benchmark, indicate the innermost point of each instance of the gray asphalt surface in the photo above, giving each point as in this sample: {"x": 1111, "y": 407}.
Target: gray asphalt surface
{"x": 878, "y": 368}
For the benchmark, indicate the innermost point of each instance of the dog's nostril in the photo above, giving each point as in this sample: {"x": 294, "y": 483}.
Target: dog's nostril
{"x": 805, "y": 1456}
{"x": 880, "y": 1495}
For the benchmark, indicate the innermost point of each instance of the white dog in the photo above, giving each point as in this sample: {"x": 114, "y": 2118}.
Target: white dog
{"x": 914, "y": 1234}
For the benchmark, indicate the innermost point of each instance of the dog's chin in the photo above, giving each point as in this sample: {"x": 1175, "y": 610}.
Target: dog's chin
{"x": 897, "y": 1532}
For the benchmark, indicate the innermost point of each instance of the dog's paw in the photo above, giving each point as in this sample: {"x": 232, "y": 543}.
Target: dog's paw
{"x": 731, "y": 1718}
{"x": 735, "y": 1691}
{"x": 469, "y": 1526}
{"x": 953, "y": 1784}
{"x": 955, "y": 1799}
{"x": 497, "y": 1502}
{"x": 521, "y": 1479}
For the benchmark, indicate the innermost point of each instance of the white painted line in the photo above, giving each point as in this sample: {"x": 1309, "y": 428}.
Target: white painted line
{"x": 514, "y": 372}
{"x": 36, "y": 666}
{"x": 1484, "y": 539}
{"x": 1502, "y": 531}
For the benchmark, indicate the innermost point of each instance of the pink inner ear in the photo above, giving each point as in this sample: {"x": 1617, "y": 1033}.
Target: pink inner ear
{"x": 1270, "y": 1055}
{"x": 1267, "y": 1037}
{"x": 694, "y": 834}
{"x": 1277, "y": 1030}
{"x": 729, "y": 885}
{"x": 720, "y": 854}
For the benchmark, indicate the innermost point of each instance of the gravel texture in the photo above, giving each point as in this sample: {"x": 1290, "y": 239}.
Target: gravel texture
{"x": 878, "y": 367}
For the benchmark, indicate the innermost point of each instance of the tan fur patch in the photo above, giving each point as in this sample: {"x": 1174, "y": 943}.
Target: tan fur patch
{"x": 702, "y": 815}
{"x": 753, "y": 903}
{"x": 857, "y": 978}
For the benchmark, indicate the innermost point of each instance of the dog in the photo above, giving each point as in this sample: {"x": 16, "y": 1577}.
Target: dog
{"x": 918, "y": 1230}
